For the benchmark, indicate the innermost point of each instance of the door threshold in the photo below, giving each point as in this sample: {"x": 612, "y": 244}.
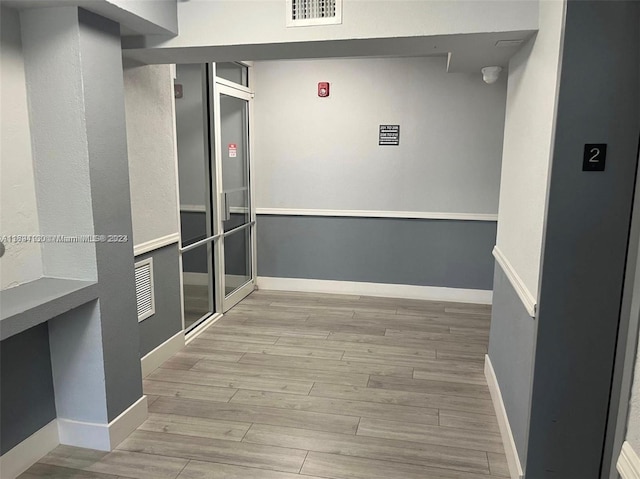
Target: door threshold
{"x": 195, "y": 332}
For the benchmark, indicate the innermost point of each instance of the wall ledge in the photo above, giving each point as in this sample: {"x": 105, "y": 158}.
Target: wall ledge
{"x": 513, "y": 461}
{"x": 628, "y": 464}
{"x": 405, "y": 291}
{"x": 528, "y": 300}
{"x": 422, "y": 215}
{"x": 35, "y": 302}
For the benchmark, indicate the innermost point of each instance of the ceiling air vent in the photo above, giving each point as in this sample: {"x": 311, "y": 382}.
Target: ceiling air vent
{"x": 144, "y": 289}
{"x": 304, "y": 13}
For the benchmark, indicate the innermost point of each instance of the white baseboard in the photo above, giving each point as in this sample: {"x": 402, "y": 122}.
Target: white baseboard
{"x": 515, "y": 468}
{"x": 235, "y": 280}
{"x": 155, "y": 244}
{"x": 154, "y": 358}
{"x": 628, "y": 464}
{"x": 20, "y": 458}
{"x": 422, "y": 215}
{"x": 202, "y": 279}
{"x": 405, "y": 291}
{"x": 104, "y": 437}
{"x": 195, "y": 279}
{"x": 128, "y": 421}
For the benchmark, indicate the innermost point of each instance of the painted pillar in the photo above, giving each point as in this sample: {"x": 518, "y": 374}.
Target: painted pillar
{"x": 74, "y": 75}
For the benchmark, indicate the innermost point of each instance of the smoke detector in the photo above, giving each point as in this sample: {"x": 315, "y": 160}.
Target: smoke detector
{"x": 491, "y": 74}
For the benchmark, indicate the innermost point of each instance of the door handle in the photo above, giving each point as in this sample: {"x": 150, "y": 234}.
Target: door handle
{"x": 225, "y": 207}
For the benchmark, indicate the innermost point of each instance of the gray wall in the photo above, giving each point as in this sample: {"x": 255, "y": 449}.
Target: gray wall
{"x": 316, "y": 153}
{"x": 454, "y": 254}
{"x": 151, "y": 151}
{"x": 323, "y": 153}
{"x": 151, "y": 145}
{"x": 511, "y": 349}
{"x": 167, "y": 319}
{"x": 106, "y": 133}
{"x": 529, "y": 123}
{"x": 585, "y": 242}
{"x": 80, "y": 156}
{"x": 26, "y": 387}
{"x": 533, "y": 79}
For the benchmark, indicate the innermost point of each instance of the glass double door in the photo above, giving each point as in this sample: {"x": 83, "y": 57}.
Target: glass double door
{"x": 214, "y": 170}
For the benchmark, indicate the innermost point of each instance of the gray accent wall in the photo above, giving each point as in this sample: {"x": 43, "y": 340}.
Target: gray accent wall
{"x": 586, "y": 240}
{"x": 444, "y": 253}
{"x": 26, "y": 386}
{"x": 511, "y": 349}
{"x": 167, "y": 320}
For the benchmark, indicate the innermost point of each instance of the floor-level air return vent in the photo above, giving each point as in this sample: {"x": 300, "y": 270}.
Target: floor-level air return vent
{"x": 304, "y": 13}
{"x": 144, "y": 289}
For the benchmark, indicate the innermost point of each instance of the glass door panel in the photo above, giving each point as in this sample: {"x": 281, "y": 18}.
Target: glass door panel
{"x": 197, "y": 278}
{"x": 235, "y": 161}
{"x": 237, "y": 220}
{"x": 237, "y": 260}
{"x": 234, "y": 72}
{"x": 195, "y": 185}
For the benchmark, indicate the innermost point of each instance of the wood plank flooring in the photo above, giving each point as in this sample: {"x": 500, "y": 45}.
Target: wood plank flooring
{"x": 315, "y": 386}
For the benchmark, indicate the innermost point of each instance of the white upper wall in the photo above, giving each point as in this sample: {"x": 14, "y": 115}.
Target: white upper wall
{"x": 142, "y": 17}
{"x": 151, "y": 147}
{"x": 529, "y": 124}
{"x": 18, "y": 210}
{"x": 233, "y": 22}
{"x": 152, "y": 16}
{"x": 323, "y": 153}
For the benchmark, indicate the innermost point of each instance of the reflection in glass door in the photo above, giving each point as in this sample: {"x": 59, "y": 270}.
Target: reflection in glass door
{"x": 231, "y": 107}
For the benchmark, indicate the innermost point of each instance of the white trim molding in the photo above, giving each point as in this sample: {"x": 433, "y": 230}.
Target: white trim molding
{"x": 24, "y": 455}
{"x": 195, "y": 279}
{"x": 203, "y": 209}
{"x": 628, "y": 464}
{"x": 154, "y": 358}
{"x": 104, "y": 437}
{"x": 405, "y": 291}
{"x": 528, "y": 300}
{"x": 513, "y": 461}
{"x": 193, "y": 209}
{"x": 155, "y": 244}
{"x": 418, "y": 215}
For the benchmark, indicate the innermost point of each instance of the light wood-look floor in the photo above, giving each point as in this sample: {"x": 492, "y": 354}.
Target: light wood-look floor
{"x": 319, "y": 386}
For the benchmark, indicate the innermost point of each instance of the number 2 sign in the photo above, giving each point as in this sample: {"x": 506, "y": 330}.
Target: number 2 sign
{"x": 594, "y": 157}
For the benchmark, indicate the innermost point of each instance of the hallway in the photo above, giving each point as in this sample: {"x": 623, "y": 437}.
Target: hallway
{"x": 324, "y": 386}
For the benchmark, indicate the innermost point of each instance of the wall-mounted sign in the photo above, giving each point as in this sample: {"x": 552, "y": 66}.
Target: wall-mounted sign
{"x": 595, "y": 155}
{"x": 233, "y": 150}
{"x": 389, "y": 135}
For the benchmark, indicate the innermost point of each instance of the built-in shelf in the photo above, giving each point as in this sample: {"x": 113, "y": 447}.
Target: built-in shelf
{"x": 30, "y": 304}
